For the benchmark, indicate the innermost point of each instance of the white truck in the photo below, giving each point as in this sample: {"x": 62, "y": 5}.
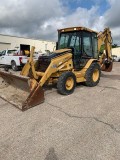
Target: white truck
{"x": 10, "y": 58}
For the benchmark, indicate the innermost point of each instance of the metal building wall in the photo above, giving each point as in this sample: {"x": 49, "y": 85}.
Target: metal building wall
{"x": 5, "y": 45}
{"x": 116, "y": 51}
{"x": 11, "y": 42}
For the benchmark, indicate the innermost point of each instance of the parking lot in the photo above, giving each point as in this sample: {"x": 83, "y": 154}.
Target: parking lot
{"x": 81, "y": 126}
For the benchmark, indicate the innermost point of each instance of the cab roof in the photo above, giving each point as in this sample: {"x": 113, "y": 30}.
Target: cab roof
{"x": 76, "y": 29}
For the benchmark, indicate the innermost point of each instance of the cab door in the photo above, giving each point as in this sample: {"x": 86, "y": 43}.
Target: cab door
{"x": 87, "y": 44}
{"x": 75, "y": 44}
{"x": 87, "y": 50}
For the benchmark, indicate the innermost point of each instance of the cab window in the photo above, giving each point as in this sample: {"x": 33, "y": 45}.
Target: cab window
{"x": 95, "y": 45}
{"x": 87, "y": 44}
{"x": 75, "y": 42}
{"x": 3, "y": 53}
{"x": 64, "y": 41}
{"x": 70, "y": 40}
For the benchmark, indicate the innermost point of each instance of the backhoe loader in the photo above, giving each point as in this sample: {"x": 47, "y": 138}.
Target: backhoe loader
{"x": 75, "y": 60}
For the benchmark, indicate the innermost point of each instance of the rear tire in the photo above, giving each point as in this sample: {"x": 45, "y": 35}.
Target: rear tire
{"x": 14, "y": 66}
{"x": 66, "y": 83}
{"x": 93, "y": 75}
{"x": 6, "y": 68}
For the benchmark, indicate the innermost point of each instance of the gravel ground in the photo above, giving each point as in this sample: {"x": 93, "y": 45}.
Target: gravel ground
{"x": 81, "y": 126}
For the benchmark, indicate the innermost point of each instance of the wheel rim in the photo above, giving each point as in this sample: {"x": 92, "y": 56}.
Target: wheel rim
{"x": 69, "y": 83}
{"x": 95, "y": 75}
{"x": 13, "y": 66}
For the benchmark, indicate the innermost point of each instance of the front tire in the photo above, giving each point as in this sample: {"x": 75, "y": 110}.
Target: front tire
{"x": 14, "y": 66}
{"x": 66, "y": 83}
{"x": 92, "y": 75}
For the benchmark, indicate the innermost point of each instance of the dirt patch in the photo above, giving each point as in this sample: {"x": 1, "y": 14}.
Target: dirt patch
{"x": 13, "y": 95}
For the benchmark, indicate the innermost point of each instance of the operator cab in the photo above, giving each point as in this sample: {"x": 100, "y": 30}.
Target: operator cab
{"x": 83, "y": 43}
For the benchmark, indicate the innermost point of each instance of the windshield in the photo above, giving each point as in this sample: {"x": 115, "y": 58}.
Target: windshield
{"x": 11, "y": 51}
{"x": 70, "y": 39}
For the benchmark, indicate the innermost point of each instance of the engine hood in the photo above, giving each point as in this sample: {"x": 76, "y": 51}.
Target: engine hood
{"x": 45, "y": 60}
{"x": 62, "y": 50}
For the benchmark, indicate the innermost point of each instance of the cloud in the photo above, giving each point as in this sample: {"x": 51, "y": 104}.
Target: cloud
{"x": 112, "y": 15}
{"x": 41, "y": 19}
{"x": 112, "y": 19}
{"x": 80, "y": 17}
{"x": 83, "y": 17}
{"x": 25, "y": 17}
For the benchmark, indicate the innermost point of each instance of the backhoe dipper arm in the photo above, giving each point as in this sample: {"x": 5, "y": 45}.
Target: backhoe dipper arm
{"x": 106, "y": 58}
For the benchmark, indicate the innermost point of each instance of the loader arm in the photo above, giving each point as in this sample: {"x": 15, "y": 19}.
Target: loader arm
{"x": 63, "y": 62}
{"x": 106, "y": 58}
{"x": 29, "y": 64}
{"x": 57, "y": 64}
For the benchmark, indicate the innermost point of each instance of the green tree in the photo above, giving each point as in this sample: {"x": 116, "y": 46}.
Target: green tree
{"x": 114, "y": 46}
{"x": 102, "y": 49}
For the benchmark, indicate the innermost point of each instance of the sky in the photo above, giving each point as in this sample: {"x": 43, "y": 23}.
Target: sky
{"x": 40, "y": 19}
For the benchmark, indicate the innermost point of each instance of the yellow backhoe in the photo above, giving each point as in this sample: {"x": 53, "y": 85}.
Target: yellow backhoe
{"x": 76, "y": 59}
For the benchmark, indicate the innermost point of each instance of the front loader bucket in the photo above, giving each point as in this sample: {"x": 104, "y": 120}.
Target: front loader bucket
{"x": 107, "y": 66}
{"x": 16, "y": 90}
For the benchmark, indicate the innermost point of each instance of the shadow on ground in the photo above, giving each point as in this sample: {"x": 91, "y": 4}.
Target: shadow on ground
{"x": 114, "y": 77}
{"x": 51, "y": 155}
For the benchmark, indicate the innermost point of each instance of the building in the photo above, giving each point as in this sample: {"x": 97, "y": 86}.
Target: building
{"x": 13, "y": 42}
{"x": 116, "y": 51}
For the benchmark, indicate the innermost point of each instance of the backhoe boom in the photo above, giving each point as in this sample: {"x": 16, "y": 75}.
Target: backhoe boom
{"x": 106, "y": 57}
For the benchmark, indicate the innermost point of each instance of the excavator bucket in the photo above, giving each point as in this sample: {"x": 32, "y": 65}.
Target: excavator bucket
{"x": 107, "y": 66}
{"x": 16, "y": 90}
